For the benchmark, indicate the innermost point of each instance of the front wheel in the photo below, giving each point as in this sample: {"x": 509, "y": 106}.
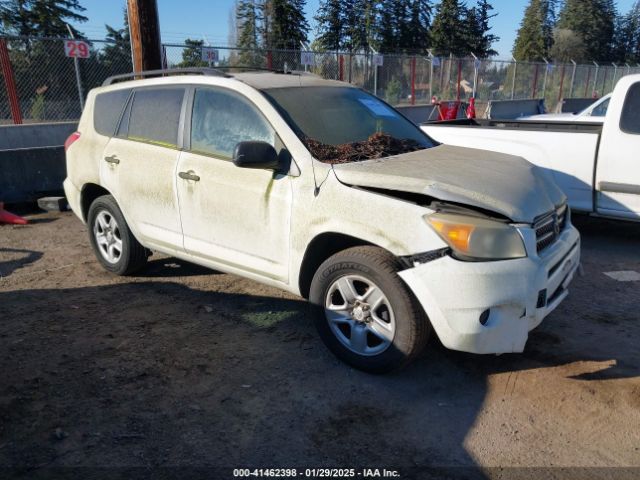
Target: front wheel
{"x": 365, "y": 313}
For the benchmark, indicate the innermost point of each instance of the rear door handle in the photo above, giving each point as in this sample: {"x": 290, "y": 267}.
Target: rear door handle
{"x": 189, "y": 176}
{"x": 112, "y": 159}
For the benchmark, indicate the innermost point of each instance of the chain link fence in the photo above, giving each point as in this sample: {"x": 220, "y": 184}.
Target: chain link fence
{"x": 50, "y": 86}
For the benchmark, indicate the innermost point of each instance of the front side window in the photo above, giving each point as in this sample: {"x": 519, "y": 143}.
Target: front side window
{"x": 155, "y": 116}
{"x": 630, "y": 119}
{"x": 221, "y": 119}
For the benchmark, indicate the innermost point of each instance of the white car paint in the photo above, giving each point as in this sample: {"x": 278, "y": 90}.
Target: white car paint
{"x": 594, "y": 113}
{"x": 597, "y": 168}
{"x": 269, "y": 222}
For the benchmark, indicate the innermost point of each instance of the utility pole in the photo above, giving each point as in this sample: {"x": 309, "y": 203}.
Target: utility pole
{"x": 144, "y": 29}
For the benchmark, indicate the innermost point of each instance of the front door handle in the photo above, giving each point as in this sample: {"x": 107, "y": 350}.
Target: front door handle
{"x": 189, "y": 176}
{"x": 112, "y": 159}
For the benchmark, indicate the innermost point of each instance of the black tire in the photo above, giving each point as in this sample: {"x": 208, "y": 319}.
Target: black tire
{"x": 133, "y": 255}
{"x": 412, "y": 328}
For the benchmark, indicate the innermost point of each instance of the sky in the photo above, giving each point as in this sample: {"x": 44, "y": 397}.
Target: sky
{"x": 209, "y": 19}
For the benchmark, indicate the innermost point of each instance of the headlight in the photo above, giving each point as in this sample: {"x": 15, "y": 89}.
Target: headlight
{"x": 474, "y": 238}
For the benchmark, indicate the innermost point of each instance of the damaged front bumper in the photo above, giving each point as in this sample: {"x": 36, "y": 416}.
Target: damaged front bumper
{"x": 490, "y": 307}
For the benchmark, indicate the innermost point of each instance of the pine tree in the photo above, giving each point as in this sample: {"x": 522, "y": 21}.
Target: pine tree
{"x": 535, "y": 35}
{"x": 417, "y": 36}
{"x": 44, "y": 18}
{"x": 192, "y": 54}
{"x": 248, "y": 32}
{"x": 626, "y": 43}
{"x": 594, "y": 22}
{"x": 479, "y": 39}
{"x": 331, "y": 29}
{"x": 285, "y": 25}
{"x": 448, "y": 32}
{"x": 116, "y": 55}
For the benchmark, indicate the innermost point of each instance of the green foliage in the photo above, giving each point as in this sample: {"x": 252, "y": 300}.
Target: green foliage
{"x": 393, "y": 91}
{"x": 37, "y": 107}
{"x": 331, "y": 29}
{"x": 593, "y": 21}
{"x": 284, "y": 24}
{"x": 479, "y": 40}
{"x": 43, "y": 18}
{"x": 534, "y": 38}
{"x": 247, "y": 17}
{"x": 567, "y": 46}
{"x": 449, "y": 32}
{"x": 192, "y": 54}
{"x": 626, "y": 42}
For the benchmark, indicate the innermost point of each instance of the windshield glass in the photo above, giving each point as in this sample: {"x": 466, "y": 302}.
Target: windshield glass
{"x": 343, "y": 124}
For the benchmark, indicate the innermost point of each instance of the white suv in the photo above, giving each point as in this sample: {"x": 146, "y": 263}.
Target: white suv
{"x": 323, "y": 190}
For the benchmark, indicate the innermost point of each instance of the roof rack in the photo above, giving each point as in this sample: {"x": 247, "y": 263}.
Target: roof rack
{"x": 211, "y": 72}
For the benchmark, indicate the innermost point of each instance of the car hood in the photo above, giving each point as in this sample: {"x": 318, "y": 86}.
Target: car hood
{"x": 561, "y": 117}
{"x": 492, "y": 181}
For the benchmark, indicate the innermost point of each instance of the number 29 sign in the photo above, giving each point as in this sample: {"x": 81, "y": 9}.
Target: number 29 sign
{"x": 76, "y": 49}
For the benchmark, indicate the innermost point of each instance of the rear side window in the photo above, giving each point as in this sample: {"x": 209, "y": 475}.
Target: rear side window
{"x": 630, "y": 120}
{"x": 221, "y": 119}
{"x": 107, "y": 110}
{"x": 155, "y": 116}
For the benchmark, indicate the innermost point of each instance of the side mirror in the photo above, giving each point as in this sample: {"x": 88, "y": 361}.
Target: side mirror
{"x": 256, "y": 155}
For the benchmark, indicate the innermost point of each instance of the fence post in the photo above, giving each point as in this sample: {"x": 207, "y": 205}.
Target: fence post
{"x": 413, "y": 80}
{"x": 535, "y": 81}
{"x": 10, "y": 83}
{"x": 430, "y": 73}
{"x": 561, "y": 83}
{"x": 615, "y": 75}
{"x": 573, "y": 78}
{"x": 595, "y": 80}
{"x": 269, "y": 60}
{"x": 475, "y": 74}
{"x": 77, "y": 68}
{"x": 546, "y": 74}
{"x": 341, "y": 68}
{"x": 459, "y": 79}
{"x": 513, "y": 81}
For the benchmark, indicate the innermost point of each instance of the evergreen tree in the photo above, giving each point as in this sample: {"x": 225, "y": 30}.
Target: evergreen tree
{"x": 449, "y": 32}
{"x": 535, "y": 35}
{"x": 594, "y": 22}
{"x": 626, "y": 43}
{"x": 417, "y": 36}
{"x": 331, "y": 29}
{"x": 247, "y": 17}
{"x": 116, "y": 55}
{"x": 285, "y": 25}
{"x": 192, "y": 54}
{"x": 479, "y": 39}
{"x": 43, "y": 18}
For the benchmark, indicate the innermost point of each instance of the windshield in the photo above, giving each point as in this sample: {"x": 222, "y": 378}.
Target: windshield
{"x": 344, "y": 124}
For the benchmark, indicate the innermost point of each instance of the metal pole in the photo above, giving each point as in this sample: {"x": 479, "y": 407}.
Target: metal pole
{"x": 513, "y": 81}
{"x": 475, "y": 74}
{"x": 375, "y": 72}
{"x": 78, "y": 79}
{"x": 546, "y": 74}
{"x": 10, "y": 83}
{"x": 628, "y": 68}
{"x": 430, "y": 74}
{"x": 595, "y": 80}
{"x": 573, "y": 78}
{"x": 615, "y": 76}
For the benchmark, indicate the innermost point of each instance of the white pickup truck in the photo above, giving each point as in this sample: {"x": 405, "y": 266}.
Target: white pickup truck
{"x": 596, "y": 164}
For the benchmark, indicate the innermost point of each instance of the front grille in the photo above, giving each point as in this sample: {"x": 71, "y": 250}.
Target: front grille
{"x": 549, "y": 226}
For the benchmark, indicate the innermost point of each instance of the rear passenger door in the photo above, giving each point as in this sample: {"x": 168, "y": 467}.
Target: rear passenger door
{"x": 233, "y": 216}
{"x": 139, "y": 165}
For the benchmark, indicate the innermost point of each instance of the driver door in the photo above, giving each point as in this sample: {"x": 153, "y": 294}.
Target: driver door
{"x": 238, "y": 217}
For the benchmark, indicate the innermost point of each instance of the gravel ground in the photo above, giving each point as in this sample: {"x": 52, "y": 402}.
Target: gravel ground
{"x": 188, "y": 368}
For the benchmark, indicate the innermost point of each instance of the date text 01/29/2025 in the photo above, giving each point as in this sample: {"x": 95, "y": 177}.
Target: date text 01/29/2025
{"x": 316, "y": 473}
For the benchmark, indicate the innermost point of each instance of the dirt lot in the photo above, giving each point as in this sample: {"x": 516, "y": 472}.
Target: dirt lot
{"x": 185, "y": 367}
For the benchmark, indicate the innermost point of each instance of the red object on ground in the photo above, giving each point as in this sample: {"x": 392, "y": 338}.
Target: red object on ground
{"x": 471, "y": 109}
{"x": 448, "y": 110}
{"x": 6, "y": 217}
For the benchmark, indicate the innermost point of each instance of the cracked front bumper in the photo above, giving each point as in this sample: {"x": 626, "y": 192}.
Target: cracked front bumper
{"x": 518, "y": 294}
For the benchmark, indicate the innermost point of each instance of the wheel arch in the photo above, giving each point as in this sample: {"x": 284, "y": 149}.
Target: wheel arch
{"x": 90, "y": 192}
{"x": 319, "y": 249}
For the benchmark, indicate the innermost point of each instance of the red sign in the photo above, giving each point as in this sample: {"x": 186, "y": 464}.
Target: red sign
{"x": 76, "y": 49}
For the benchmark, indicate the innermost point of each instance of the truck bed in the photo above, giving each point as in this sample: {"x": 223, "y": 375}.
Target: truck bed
{"x": 521, "y": 125}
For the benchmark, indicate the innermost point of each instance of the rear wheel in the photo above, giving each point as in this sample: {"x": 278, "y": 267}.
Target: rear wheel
{"x": 113, "y": 243}
{"x": 365, "y": 313}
